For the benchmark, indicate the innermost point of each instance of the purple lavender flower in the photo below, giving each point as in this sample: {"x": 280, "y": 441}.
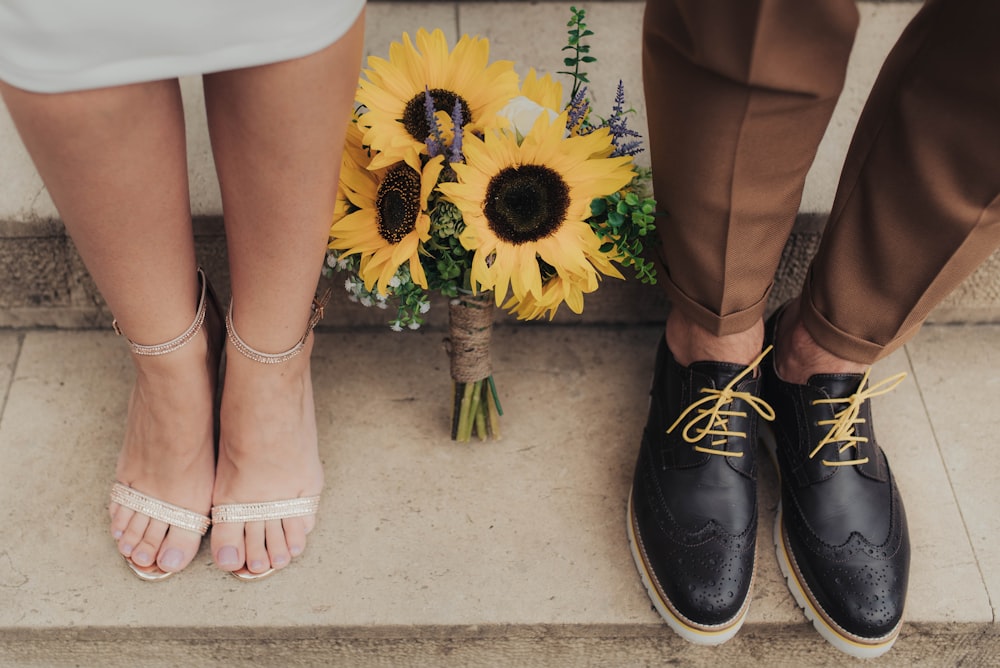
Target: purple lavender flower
{"x": 578, "y": 108}
{"x": 455, "y": 154}
{"x": 625, "y": 140}
{"x": 435, "y": 145}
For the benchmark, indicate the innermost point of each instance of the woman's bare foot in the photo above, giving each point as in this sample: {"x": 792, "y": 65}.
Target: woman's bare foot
{"x": 268, "y": 451}
{"x": 168, "y": 453}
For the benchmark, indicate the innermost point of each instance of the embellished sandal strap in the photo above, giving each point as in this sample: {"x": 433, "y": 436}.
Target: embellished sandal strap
{"x": 318, "y": 306}
{"x": 173, "y": 515}
{"x": 173, "y": 344}
{"x": 266, "y": 510}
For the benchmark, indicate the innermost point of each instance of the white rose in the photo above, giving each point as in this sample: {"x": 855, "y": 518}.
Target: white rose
{"x": 522, "y": 113}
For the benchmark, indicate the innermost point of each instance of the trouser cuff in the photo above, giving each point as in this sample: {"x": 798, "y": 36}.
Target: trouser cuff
{"x": 718, "y": 325}
{"x": 835, "y": 340}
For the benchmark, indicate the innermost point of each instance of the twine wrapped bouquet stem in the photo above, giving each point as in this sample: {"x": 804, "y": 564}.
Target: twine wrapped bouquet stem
{"x": 475, "y": 404}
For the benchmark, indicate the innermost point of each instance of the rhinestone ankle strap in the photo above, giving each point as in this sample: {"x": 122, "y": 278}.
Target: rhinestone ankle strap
{"x": 276, "y": 358}
{"x": 173, "y": 344}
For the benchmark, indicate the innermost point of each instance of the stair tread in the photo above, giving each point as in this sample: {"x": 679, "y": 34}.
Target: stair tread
{"x": 418, "y": 532}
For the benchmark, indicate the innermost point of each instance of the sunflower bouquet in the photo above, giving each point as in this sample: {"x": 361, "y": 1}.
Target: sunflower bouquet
{"x": 459, "y": 179}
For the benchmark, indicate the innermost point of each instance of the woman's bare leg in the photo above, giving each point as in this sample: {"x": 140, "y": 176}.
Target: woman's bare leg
{"x": 114, "y": 162}
{"x": 277, "y": 135}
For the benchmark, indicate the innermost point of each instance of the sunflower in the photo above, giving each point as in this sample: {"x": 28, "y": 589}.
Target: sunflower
{"x": 354, "y": 157}
{"x": 555, "y": 291}
{"x": 355, "y": 150}
{"x": 388, "y": 220}
{"x": 543, "y": 90}
{"x": 558, "y": 289}
{"x": 526, "y": 202}
{"x": 394, "y": 93}
{"x": 538, "y": 96}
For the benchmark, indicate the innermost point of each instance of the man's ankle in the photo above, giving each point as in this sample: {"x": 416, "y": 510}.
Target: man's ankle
{"x": 798, "y": 356}
{"x": 689, "y": 342}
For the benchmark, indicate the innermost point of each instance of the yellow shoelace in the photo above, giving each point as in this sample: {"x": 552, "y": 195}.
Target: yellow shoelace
{"x": 843, "y": 422}
{"x": 716, "y": 417}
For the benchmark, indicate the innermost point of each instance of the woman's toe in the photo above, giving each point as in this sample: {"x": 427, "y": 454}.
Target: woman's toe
{"x": 277, "y": 547}
{"x": 295, "y": 534}
{"x": 178, "y": 549}
{"x": 257, "y": 557}
{"x": 227, "y": 546}
{"x": 133, "y": 535}
{"x": 120, "y": 516}
{"x": 147, "y": 549}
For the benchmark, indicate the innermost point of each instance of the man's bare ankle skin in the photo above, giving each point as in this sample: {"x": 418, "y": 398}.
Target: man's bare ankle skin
{"x": 797, "y": 355}
{"x": 689, "y": 342}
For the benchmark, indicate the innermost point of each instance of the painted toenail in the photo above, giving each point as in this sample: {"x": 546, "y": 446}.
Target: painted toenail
{"x": 279, "y": 561}
{"x": 256, "y": 566}
{"x": 142, "y": 558}
{"x": 172, "y": 558}
{"x": 118, "y": 533}
{"x": 127, "y": 550}
{"x": 296, "y": 550}
{"x": 228, "y": 556}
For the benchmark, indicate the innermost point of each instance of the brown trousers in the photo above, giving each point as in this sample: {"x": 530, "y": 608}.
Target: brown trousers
{"x": 739, "y": 94}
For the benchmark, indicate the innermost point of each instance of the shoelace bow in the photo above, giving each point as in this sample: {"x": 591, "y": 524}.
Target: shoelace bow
{"x": 716, "y": 417}
{"x": 843, "y": 422}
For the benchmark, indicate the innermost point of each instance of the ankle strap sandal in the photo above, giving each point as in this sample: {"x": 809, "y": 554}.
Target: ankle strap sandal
{"x": 283, "y": 508}
{"x": 127, "y": 497}
{"x": 318, "y": 306}
{"x": 189, "y": 333}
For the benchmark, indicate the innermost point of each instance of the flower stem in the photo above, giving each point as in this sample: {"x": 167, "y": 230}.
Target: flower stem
{"x": 463, "y": 425}
{"x": 475, "y": 411}
{"x": 494, "y": 412}
{"x": 470, "y": 419}
{"x": 481, "y": 426}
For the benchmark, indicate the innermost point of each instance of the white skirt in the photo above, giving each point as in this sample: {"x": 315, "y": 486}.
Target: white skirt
{"x": 52, "y": 46}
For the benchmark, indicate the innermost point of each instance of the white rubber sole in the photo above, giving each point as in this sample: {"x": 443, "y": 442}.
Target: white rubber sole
{"x": 697, "y": 634}
{"x": 833, "y": 634}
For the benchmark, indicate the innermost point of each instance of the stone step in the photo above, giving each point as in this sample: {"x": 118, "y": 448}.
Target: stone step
{"x": 46, "y": 285}
{"x": 428, "y": 552}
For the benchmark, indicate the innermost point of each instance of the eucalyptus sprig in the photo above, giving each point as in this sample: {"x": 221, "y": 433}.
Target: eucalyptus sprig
{"x": 622, "y": 221}
{"x": 577, "y": 31}
{"x": 449, "y": 269}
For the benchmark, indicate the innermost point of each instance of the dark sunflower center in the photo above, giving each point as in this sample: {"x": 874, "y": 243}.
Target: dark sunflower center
{"x": 526, "y": 203}
{"x": 415, "y": 114}
{"x": 398, "y": 203}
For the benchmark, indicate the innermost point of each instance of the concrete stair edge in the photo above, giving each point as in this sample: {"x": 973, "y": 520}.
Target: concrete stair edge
{"x": 543, "y": 645}
{"x": 47, "y": 284}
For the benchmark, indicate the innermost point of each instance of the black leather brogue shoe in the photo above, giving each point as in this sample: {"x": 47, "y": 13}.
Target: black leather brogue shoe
{"x": 692, "y": 514}
{"x": 840, "y": 535}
